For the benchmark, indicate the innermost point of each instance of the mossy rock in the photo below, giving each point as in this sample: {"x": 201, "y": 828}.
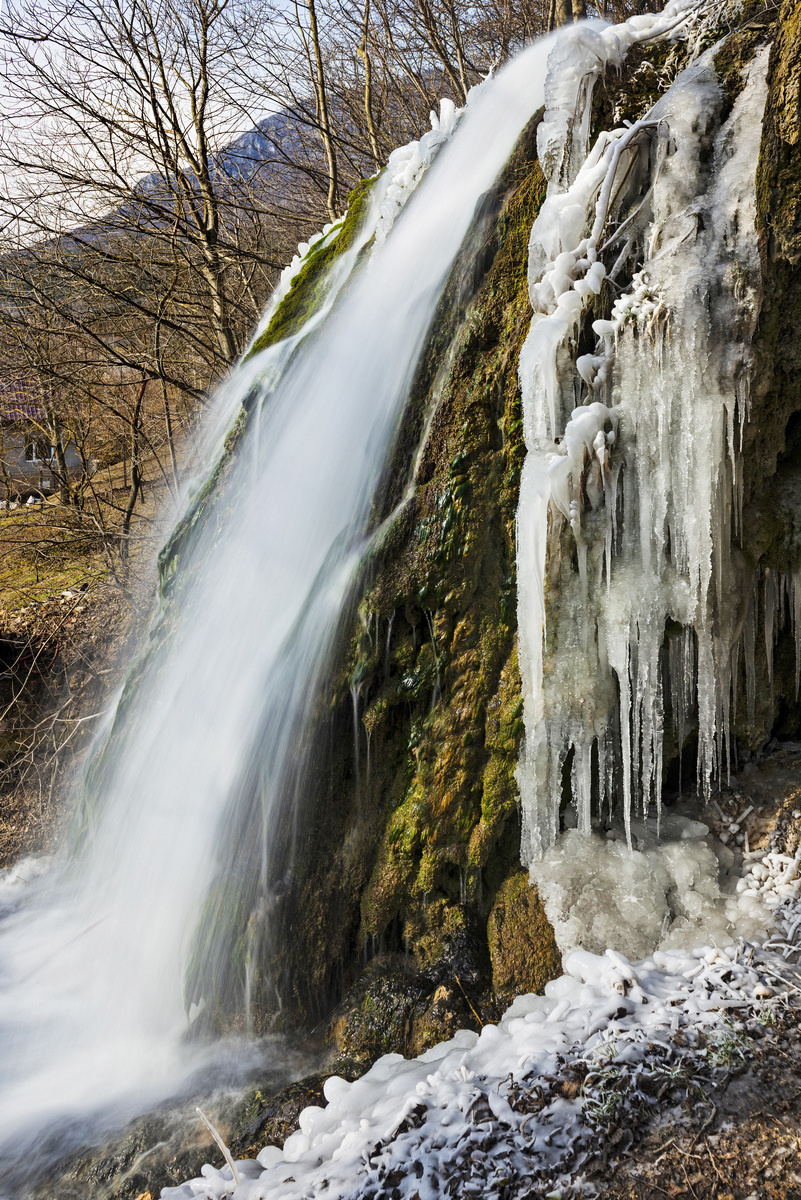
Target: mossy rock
{"x": 272, "y": 1117}
{"x": 303, "y": 297}
{"x": 394, "y": 1008}
{"x": 375, "y": 1018}
{"x": 771, "y": 526}
{"x": 521, "y": 942}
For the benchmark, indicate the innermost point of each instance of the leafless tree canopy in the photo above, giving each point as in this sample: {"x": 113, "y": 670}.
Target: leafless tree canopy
{"x": 159, "y": 160}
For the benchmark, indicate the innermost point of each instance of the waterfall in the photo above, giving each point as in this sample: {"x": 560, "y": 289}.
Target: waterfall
{"x": 93, "y": 953}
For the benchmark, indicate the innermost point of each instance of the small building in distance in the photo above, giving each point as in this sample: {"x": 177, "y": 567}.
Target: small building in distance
{"x": 28, "y": 461}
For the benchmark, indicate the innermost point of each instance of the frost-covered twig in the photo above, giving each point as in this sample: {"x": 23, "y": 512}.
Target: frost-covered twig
{"x": 226, "y": 1153}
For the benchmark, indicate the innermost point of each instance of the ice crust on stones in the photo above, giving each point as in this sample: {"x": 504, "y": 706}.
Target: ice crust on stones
{"x": 667, "y": 891}
{"x": 456, "y": 1110}
{"x": 645, "y": 469}
{"x": 463, "y": 1109}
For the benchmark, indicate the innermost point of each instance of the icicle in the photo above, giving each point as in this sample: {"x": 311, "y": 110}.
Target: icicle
{"x": 619, "y": 659}
{"x": 582, "y": 785}
{"x": 749, "y": 648}
{"x": 355, "y": 695}
{"x": 771, "y": 598}
{"x": 438, "y": 687}
{"x": 660, "y": 455}
{"x": 388, "y": 643}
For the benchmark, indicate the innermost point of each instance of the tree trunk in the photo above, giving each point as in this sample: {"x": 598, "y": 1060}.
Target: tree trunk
{"x": 332, "y": 201}
{"x": 136, "y": 473}
{"x": 212, "y": 272}
{"x": 439, "y": 48}
{"x": 170, "y": 439}
{"x": 364, "y": 55}
{"x": 563, "y": 13}
{"x": 64, "y": 491}
{"x": 56, "y": 437}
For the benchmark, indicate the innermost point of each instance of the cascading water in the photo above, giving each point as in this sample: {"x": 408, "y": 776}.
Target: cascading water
{"x": 93, "y": 953}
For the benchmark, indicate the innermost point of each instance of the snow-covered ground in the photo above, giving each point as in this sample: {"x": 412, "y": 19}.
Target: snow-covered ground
{"x": 520, "y": 1108}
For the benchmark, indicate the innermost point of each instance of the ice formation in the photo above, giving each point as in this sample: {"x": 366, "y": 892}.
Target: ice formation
{"x": 408, "y": 164}
{"x": 464, "y": 1111}
{"x": 397, "y": 183}
{"x": 399, "y": 179}
{"x": 634, "y": 444}
{"x": 324, "y": 237}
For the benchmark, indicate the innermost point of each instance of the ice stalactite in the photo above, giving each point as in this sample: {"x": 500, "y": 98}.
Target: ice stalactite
{"x": 775, "y": 600}
{"x": 628, "y": 509}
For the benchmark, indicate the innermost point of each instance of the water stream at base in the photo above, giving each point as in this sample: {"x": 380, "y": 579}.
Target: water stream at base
{"x": 93, "y": 951}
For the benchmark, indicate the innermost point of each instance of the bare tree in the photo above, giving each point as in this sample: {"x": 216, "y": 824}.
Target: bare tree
{"x": 115, "y": 123}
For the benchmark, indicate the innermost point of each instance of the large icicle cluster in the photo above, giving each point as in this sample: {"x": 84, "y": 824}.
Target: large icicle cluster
{"x": 633, "y": 444}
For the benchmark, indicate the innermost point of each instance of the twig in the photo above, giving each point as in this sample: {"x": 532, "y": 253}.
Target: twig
{"x": 705, "y": 1126}
{"x": 687, "y": 1177}
{"x": 226, "y": 1153}
{"x": 711, "y": 1159}
{"x": 467, "y": 998}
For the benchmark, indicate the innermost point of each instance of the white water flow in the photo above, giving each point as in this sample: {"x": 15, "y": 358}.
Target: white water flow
{"x": 628, "y": 507}
{"x": 92, "y": 957}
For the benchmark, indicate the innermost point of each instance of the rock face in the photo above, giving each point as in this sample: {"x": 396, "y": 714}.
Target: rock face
{"x": 416, "y": 829}
{"x": 521, "y": 942}
{"x": 772, "y": 439}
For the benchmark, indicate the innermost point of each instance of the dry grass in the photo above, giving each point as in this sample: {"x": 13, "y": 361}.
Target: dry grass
{"x": 69, "y": 604}
{"x": 46, "y": 547}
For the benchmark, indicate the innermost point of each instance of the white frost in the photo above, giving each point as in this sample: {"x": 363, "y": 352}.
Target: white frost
{"x": 424, "y": 1120}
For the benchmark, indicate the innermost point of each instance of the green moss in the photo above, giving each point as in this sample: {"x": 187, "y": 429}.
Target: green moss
{"x": 303, "y": 297}
{"x": 456, "y": 567}
{"x": 778, "y": 180}
{"x": 522, "y": 946}
{"x": 646, "y": 73}
{"x": 499, "y": 795}
{"x": 376, "y": 1019}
